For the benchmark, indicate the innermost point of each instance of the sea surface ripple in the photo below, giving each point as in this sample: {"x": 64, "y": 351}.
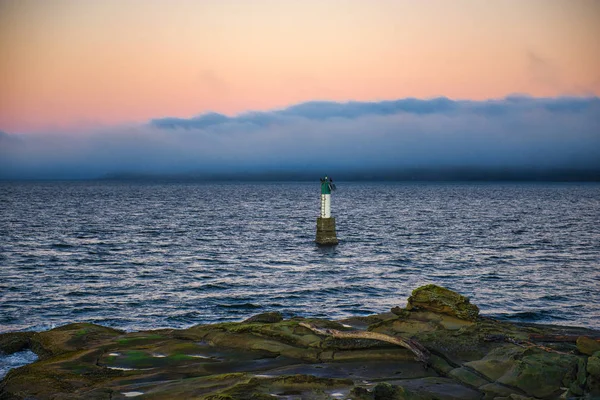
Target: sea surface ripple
{"x": 138, "y": 255}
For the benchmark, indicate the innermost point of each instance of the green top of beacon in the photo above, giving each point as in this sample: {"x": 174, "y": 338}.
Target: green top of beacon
{"x": 326, "y": 185}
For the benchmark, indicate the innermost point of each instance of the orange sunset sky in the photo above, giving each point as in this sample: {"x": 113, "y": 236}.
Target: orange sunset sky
{"x": 68, "y": 64}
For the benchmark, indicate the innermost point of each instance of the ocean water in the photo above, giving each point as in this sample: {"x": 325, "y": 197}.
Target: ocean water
{"x": 138, "y": 255}
{"x": 15, "y": 360}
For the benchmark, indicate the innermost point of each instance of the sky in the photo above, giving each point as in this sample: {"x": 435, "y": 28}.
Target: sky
{"x": 84, "y": 81}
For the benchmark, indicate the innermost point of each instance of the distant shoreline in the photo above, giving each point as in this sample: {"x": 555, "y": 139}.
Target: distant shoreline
{"x": 458, "y": 175}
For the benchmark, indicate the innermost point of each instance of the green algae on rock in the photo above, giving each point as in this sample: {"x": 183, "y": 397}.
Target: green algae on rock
{"x": 267, "y": 318}
{"x": 443, "y": 301}
{"x": 588, "y": 346}
{"x": 263, "y": 357}
{"x": 593, "y": 374}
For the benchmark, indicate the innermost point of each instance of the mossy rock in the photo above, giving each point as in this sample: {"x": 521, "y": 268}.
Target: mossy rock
{"x": 541, "y": 374}
{"x": 196, "y": 387}
{"x": 593, "y": 374}
{"x": 382, "y": 354}
{"x": 256, "y": 359}
{"x": 497, "y": 362}
{"x": 331, "y": 343}
{"x": 140, "y": 339}
{"x": 257, "y": 342}
{"x": 536, "y": 372}
{"x": 440, "y": 365}
{"x": 173, "y": 347}
{"x": 267, "y": 318}
{"x": 360, "y": 393}
{"x": 286, "y": 337}
{"x": 400, "y": 312}
{"x": 303, "y": 386}
{"x": 577, "y": 380}
{"x": 385, "y": 391}
{"x": 54, "y": 379}
{"x": 497, "y": 391}
{"x": 71, "y": 337}
{"x": 362, "y": 322}
{"x": 467, "y": 377}
{"x": 593, "y": 365}
{"x": 12, "y": 342}
{"x": 444, "y": 301}
{"x": 587, "y": 346}
{"x": 456, "y": 346}
{"x": 404, "y": 327}
{"x": 139, "y": 359}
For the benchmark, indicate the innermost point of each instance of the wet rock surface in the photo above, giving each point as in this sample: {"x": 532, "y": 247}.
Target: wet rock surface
{"x": 266, "y": 357}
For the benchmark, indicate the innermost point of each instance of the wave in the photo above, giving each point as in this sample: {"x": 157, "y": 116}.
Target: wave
{"x": 15, "y": 360}
{"x": 535, "y": 316}
{"x": 242, "y": 306}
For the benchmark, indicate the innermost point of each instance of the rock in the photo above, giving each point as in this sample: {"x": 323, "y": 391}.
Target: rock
{"x": 444, "y": 301}
{"x": 437, "y": 388}
{"x": 593, "y": 371}
{"x": 536, "y": 372}
{"x": 593, "y": 365}
{"x": 386, "y": 391}
{"x": 467, "y": 377}
{"x": 266, "y": 357}
{"x": 360, "y": 393}
{"x": 266, "y": 318}
{"x": 440, "y": 365}
{"x": 496, "y": 391}
{"x": 497, "y": 362}
{"x": 577, "y": 386}
{"x": 77, "y": 336}
{"x": 14, "y": 341}
{"x": 363, "y": 322}
{"x": 400, "y": 312}
{"x": 540, "y": 373}
{"x": 587, "y": 346}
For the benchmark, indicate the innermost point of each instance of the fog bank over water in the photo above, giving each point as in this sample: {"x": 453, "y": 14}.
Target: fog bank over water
{"x": 516, "y": 137}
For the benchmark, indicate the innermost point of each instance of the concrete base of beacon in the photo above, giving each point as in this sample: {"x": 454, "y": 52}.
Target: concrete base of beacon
{"x": 326, "y": 232}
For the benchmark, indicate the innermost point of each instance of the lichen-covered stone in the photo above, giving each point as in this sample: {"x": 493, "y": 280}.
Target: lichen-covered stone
{"x": 444, "y": 301}
{"x": 496, "y": 391}
{"x": 71, "y": 337}
{"x": 593, "y": 365}
{"x": 265, "y": 357}
{"x": 497, "y": 362}
{"x": 578, "y": 380}
{"x": 385, "y": 391}
{"x": 15, "y": 341}
{"x": 267, "y": 318}
{"x": 360, "y": 393}
{"x": 587, "y": 346}
{"x": 266, "y": 387}
{"x": 593, "y": 377}
{"x": 467, "y": 377}
{"x": 541, "y": 374}
{"x": 536, "y": 372}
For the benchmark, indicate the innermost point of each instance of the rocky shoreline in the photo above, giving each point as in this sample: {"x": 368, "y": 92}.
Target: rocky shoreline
{"x": 437, "y": 347}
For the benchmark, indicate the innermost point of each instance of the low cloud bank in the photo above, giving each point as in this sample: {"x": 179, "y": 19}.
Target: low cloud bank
{"x": 511, "y": 138}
